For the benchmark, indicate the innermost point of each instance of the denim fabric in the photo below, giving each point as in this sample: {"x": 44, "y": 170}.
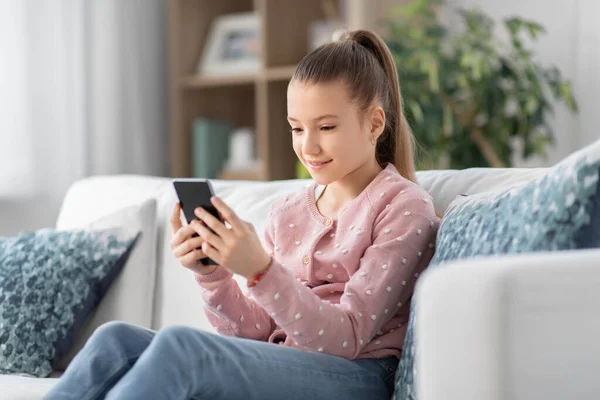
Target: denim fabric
{"x": 122, "y": 361}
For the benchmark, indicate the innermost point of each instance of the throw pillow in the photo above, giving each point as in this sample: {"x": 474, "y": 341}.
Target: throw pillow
{"x": 558, "y": 211}
{"x": 130, "y": 296}
{"x": 49, "y": 282}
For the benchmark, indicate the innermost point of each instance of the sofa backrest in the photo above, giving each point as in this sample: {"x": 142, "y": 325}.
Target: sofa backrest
{"x": 177, "y": 300}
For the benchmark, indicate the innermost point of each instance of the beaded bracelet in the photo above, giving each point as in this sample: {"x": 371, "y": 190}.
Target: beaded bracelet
{"x": 256, "y": 278}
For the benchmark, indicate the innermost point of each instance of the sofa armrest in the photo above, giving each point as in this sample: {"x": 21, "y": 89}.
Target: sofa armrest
{"x": 92, "y": 198}
{"x": 510, "y": 327}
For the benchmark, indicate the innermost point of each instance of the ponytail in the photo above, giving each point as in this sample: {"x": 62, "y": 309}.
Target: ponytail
{"x": 363, "y": 59}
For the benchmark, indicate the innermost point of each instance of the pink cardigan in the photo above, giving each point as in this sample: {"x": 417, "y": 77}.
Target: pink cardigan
{"x": 340, "y": 287}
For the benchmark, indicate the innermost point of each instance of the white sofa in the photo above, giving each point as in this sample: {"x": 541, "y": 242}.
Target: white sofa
{"x": 524, "y": 327}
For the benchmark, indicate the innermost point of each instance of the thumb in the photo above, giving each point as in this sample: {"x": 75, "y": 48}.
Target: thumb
{"x": 176, "y": 218}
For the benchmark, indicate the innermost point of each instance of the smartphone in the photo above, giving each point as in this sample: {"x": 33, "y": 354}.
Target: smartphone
{"x": 194, "y": 193}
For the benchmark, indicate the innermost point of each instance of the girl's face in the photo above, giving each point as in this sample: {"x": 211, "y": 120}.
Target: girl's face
{"x": 329, "y": 137}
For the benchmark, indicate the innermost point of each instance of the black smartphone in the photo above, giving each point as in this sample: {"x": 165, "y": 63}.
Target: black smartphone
{"x": 194, "y": 193}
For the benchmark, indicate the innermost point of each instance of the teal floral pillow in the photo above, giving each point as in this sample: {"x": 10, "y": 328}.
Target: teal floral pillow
{"x": 49, "y": 282}
{"x": 559, "y": 211}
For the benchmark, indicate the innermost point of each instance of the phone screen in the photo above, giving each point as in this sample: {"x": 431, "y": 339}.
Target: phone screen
{"x": 194, "y": 193}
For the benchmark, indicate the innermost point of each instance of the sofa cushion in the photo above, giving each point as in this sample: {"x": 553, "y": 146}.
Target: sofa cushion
{"x": 446, "y": 185}
{"x": 49, "y": 282}
{"x": 557, "y": 211}
{"x": 130, "y": 296}
{"x": 26, "y": 388}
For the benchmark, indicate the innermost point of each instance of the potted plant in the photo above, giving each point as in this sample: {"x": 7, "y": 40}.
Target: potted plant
{"x": 469, "y": 95}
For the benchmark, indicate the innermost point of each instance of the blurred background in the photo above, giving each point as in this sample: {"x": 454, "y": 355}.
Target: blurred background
{"x": 197, "y": 88}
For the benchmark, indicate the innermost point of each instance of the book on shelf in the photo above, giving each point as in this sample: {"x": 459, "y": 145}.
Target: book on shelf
{"x": 210, "y": 146}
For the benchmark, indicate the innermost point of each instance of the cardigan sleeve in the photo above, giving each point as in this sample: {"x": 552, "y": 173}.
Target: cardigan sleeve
{"x": 403, "y": 238}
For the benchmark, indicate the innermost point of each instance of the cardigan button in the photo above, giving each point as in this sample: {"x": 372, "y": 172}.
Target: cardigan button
{"x": 306, "y": 260}
{"x": 328, "y": 221}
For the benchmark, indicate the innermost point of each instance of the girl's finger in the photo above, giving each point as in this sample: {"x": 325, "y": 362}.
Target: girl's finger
{"x": 187, "y": 246}
{"x": 208, "y": 236}
{"x": 181, "y": 236}
{"x": 217, "y": 226}
{"x": 211, "y": 253}
{"x": 175, "y": 218}
{"x": 228, "y": 214}
{"x": 192, "y": 257}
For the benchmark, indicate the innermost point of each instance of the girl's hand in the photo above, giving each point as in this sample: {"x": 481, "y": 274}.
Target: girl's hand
{"x": 237, "y": 248}
{"x": 185, "y": 247}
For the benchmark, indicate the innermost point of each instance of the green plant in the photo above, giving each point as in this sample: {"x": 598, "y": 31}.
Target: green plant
{"x": 301, "y": 171}
{"x": 467, "y": 94}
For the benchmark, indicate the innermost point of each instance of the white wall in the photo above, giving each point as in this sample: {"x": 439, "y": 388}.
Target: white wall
{"x": 587, "y": 69}
{"x": 572, "y": 43}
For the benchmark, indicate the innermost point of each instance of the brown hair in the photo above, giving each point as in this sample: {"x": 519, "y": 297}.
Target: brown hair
{"x": 363, "y": 60}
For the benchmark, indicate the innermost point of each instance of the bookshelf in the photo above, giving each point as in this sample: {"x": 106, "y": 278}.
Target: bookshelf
{"x": 252, "y": 99}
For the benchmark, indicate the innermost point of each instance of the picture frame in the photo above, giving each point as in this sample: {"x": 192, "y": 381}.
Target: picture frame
{"x": 232, "y": 46}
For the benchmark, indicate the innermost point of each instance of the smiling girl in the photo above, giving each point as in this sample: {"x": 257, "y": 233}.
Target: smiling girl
{"x": 329, "y": 292}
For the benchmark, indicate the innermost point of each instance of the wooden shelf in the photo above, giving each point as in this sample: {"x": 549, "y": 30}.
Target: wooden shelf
{"x": 256, "y": 100}
{"x": 270, "y": 74}
{"x": 199, "y": 81}
{"x": 280, "y": 73}
{"x": 249, "y": 175}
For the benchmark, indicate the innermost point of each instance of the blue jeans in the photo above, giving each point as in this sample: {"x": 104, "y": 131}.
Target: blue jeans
{"x": 122, "y": 361}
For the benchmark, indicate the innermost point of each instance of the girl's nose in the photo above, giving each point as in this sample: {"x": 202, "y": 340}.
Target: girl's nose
{"x": 311, "y": 144}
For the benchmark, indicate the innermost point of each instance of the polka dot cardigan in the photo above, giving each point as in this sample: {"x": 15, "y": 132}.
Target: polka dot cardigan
{"x": 342, "y": 286}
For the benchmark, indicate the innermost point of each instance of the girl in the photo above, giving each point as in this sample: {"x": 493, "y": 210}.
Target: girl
{"x": 329, "y": 293}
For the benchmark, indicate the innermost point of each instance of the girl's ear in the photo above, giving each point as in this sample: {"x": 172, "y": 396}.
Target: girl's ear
{"x": 377, "y": 121}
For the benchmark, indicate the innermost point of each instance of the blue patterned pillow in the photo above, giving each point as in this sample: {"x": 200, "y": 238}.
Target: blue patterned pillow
{"x": 49, "y": 282}
{"x": 559, "y": 211}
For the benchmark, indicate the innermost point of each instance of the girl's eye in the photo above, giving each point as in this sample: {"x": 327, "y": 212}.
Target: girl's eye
{"x": 328, "y": 128}
{"x": 295, "y": 130}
